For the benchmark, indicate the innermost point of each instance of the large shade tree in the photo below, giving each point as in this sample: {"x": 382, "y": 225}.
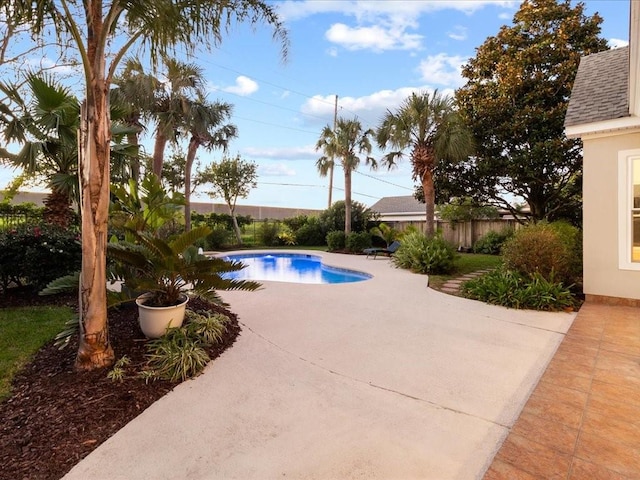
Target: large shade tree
{"x": 515, "y": 100}
{"x": 346, "y": 142}
{"x": 102, "y": 32}
{"x": 430, "y": 126}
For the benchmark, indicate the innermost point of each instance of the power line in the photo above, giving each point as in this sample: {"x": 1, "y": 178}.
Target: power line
{"x": 383, "y": 181}
{"x": 315, "y": 186}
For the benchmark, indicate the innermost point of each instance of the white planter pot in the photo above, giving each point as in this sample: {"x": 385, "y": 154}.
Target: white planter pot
{"x": 154, "y": 321}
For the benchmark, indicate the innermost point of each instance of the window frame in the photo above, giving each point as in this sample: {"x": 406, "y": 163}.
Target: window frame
{"x": 626, "y": 209}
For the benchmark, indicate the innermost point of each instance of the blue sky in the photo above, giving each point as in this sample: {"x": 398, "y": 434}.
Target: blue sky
{"x": 372, "y": 54}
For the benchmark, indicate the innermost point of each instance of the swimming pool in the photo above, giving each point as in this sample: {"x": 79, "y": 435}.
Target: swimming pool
{"x": 292, "y": 268}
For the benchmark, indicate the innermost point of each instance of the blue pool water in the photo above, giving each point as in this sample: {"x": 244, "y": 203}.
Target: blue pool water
{"x": 290, "y": 267}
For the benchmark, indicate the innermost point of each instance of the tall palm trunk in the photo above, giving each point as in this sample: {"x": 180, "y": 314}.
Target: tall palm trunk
{"x": 158, "y": 153}
{"x": 94, "y": 349}
{"x": 430, "y": 201}
{"x": 423, "y": 159}
{"x": 191, "y": 155}
{"x": 347, "y": 201}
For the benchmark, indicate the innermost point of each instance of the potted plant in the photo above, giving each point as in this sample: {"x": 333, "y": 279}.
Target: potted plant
{"x": 164, "y": 273}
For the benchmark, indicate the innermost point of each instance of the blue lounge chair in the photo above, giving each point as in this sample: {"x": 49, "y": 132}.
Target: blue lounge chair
{"x": 391, "y": 249}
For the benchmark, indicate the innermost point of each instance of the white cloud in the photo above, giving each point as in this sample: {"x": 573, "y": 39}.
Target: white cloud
{"x": 376, "y": 37}
{"x": 305, "y": 152}
{"x": 458, "y": 33}
{"x": 369, "y": 108}
{"x": 332, "y": 52}
{"x": 617, "y": 43}
{"x": 505, "y": 16}
{"x": 244, "y": 86}
{"x": 442, "y": 69}
{"x": 277, "y": 170}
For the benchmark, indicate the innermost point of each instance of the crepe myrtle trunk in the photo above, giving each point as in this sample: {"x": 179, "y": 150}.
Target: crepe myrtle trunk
{"x": 236, "y": 227}
{"x": 94, "y": 350}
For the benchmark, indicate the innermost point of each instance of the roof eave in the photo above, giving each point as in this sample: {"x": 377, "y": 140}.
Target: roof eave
{"x": 602, "y": 127}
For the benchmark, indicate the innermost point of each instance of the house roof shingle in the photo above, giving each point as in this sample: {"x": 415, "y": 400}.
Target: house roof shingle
{"x": 601, "y": 88}
{"x": 401, "y": 204}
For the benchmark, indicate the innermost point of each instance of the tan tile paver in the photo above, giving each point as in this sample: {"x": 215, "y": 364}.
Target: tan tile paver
{"x": 586, "y": 405}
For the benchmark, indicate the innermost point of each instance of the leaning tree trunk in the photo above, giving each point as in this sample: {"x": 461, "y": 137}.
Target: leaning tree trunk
{"x": 94, "y": 350}
{"x": 347, "y": 201}
{"x": 158, "y": 153}
{"x": 430, "y": 201}
{"x": 191, "y": 155}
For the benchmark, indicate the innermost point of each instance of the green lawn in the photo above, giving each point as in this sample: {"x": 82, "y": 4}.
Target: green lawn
{"x": 466, "y": 263}
{"x": 22, "y": 332}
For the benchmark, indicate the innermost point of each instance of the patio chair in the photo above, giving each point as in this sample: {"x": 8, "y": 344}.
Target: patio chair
{"x": 390, "y": 250}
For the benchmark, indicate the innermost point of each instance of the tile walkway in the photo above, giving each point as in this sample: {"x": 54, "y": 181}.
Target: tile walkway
{"x": 582, "y": 421}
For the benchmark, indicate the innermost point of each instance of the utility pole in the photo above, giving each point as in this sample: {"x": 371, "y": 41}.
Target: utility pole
{"x": 335, "y": 120}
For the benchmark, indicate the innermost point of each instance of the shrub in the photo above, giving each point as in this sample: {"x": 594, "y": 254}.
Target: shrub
{"x": 552, "y": 251}
{"x": 358, "y": 241}
{"x": 268, "y": 233}
{"x": 36, "y": 255}
{"x": 310, "y": 234}
{"x": 425, "y": 255}
{"x": 336, "y": 240}
{"x": 218, "y": 237}
{"x": 180, "y": 353}
{"x": 491, "y": 243}
{"x": 286, "y": 237}
{"x": 514, "y": 290}
{"x": 333, "y": 217}
{"x": 297, "y": 222}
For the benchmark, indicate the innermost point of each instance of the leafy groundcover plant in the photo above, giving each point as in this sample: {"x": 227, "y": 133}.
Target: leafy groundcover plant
{"x": 422, "y": 254}
{"x": 514, "y": 290}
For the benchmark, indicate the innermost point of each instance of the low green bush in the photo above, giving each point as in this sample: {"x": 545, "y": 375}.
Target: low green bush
{"x": 181, "y": 353}
{"x": 37, "y": 254}
{"x": 220, "y": 236}
{"x": 514, "y": 290}
{"x": 268, "y": 233}
{"x": 491, "y": 242}
{"x": 336, "y": 240}
{"x": 311, "y": 233}
{"x": 551, "y": 250}
{"x": 358, "y": 241}
{"x": 421, "y": 254}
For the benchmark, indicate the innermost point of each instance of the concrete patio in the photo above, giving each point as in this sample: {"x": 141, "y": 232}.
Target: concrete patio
{"x": 377, "y": 379}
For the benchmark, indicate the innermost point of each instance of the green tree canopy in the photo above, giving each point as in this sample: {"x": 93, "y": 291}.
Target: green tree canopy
{"x": 232, "y": 178}
{"x": 515, "y": 100}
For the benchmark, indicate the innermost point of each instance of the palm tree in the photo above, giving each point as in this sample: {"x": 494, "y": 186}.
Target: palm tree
{"x": 345, "y": 142}
{"x": 134, "y": 95}
{"x": 431, "y": 127}
{"x": 46, "y": 129}
{"x": 159, "y": 25}
{"x": 183, "y": 86}
{"x": 203, "y": 124}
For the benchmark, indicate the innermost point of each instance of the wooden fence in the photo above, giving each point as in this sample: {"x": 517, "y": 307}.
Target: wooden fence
{"x": 463, "y": 234}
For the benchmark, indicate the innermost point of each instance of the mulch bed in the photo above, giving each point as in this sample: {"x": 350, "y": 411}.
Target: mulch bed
{"x": 56, "y": 416}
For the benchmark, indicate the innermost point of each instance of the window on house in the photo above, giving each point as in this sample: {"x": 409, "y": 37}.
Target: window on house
{"x": 635, "y": 209}
{"x": 629, "y": 209}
